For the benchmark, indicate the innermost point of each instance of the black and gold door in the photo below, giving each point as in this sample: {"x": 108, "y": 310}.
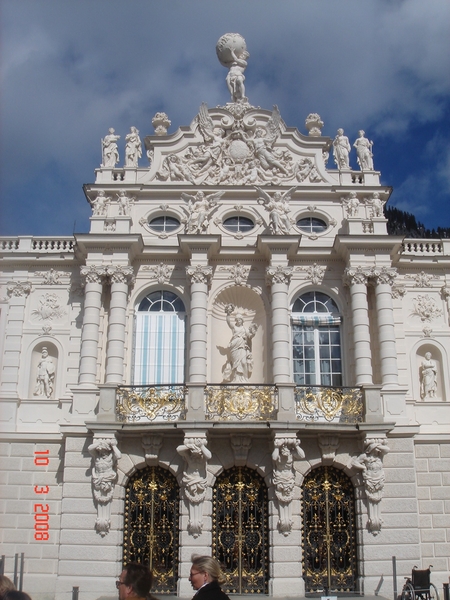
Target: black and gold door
{"x": 329, "y": 534}
{"x": 151, "y": 531}
{"x": 240, "y": 530}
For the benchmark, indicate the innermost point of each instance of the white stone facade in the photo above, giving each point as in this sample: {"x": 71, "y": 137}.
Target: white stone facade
{"x": 237, "y": 210}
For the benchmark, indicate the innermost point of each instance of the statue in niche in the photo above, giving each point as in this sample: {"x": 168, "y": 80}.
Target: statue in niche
{"x": 278, "y": 207}
{"x": 105, "y": 454}
{"x": 194, "y": 482}
{"x": 286, "y": 449}
{"x": 110, "y": 150}
{"x": 232, "y": 53}
{"x": 341, "y": 150}
{"x": 428, "y": 377}
{"x": 364, "y": 152}
{"x": 198, "y": 209}
{"x": 45, "y": 375}
{"x": 239, "y": 366}
{"x": 371, "y": 465}
{"x": 100, "y": 204}
{"x": 133, "y": 148}
{"x": 351, "y": 204}
{"x": 125, "y": 203}
{"x": 376, "y": 205}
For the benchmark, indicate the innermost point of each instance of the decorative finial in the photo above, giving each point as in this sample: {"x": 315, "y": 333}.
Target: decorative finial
{"x": 232, "y": 53}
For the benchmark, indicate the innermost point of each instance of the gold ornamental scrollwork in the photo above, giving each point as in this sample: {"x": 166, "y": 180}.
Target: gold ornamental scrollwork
{"x": 241, "y": 402}
{"x": 339, "y": 404}
{"x": 163, "y": 402}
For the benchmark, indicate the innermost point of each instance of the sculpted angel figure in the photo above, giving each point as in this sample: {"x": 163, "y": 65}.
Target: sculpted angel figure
{"x": 364, "y": 152}
{"x": 239, "y": 366}
{"x": 199, "y": 207}
{"x": 213, "y": 137}
{"x": 110, "y": 150}
{"x": 235, "y": 76}
{"x": 341, "y": 150}
{"x": 133, "y": 148}
{"x": 278, "y": 207}
{"x": 428, "y": 371}
{"x": 263, "y": 143}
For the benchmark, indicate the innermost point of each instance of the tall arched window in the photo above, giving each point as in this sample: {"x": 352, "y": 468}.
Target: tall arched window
{"x": 159, "y": 350}
{"x": 316, "y": 340}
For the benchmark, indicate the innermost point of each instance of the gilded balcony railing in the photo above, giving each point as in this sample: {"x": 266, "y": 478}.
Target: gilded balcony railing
{"x": 151, "y": 403}
{"x": 241, "y": 402}
{"x": 329, "y": 404}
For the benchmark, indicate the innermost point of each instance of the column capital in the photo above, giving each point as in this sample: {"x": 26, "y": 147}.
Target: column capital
{"x": 18, "y": 288}
{"x": 384, "y": 275}
{"x": 199, "y": 273}
{"x": 278, "y": 274}
{"x": 120, "y": 274}
{"x": 93, "y": 274}
{"x": 356, "y": 275}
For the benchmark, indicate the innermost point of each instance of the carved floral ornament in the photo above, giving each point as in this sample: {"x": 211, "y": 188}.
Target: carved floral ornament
{"x": 18, "y": 288}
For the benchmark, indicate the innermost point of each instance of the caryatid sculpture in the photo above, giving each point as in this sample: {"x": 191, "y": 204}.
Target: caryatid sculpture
{"x": 232, "y": 53}
{"x": 104, "y": 476}
{"x": 194, "y": 482}
{"x": 286, "y": 449}
{"x": 370, "y": 462}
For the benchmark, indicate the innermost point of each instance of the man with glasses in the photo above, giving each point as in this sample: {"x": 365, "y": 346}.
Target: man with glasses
{"x": 135, "y": 582}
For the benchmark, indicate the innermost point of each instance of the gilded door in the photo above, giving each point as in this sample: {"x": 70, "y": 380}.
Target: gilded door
{"x": 240, "y": 530}
{"x": 151, "y": 526}
{"x": 329, "y": 533}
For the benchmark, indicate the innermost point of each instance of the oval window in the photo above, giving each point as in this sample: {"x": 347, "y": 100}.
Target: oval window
{"x": 164, "y": 224}
{"x": 311, "y": 225}
{"x": 238, "y": 224}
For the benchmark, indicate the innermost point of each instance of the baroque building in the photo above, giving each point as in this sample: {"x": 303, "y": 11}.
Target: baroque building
{"x": 236, "y": 360}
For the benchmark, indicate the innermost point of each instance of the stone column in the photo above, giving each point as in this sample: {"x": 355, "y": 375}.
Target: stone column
{"x": 93, "y": 276}
{"x": 384, "y": 280}
{"x": 200, "y": 276}
{"x": 357, "y": 279}
{"x": 279, "y": 278}
{"x": 120, "y": 277}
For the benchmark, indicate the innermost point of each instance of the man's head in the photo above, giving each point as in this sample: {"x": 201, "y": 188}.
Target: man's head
{"x": 135, "y": 581}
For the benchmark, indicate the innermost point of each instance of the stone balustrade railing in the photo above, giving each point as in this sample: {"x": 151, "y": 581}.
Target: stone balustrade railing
{"x": 34, "y": 244}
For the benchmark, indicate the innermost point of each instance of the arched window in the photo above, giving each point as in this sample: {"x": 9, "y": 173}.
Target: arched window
{"x": 159, "y": 348}
{"x": 316, "y": 340}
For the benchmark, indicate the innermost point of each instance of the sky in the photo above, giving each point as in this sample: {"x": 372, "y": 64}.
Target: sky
{"x": 71, "y": 69}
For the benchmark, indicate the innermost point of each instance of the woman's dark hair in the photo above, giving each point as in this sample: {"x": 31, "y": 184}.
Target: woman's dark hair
{"x": 15, "y": 595}
{"x": 138, "y": 576}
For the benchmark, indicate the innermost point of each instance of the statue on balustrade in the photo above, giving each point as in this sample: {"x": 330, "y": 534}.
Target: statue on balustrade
{"x": 341, "y": 150}
{"x": 428, "y": 371}
{"x": 364, "y": 152}
{"x": 133, "y": 148}
{"x": 239, "y": 366}
{"x": 110, "y": 150}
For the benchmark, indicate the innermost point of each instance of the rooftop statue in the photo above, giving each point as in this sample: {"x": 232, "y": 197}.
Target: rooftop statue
{"x": 341, "y": 150}
{"x": 232, "y": 53}
{"x": 110, "y": 150}
{"x": 133, "y": 148}
{"x": 364, "y": 152}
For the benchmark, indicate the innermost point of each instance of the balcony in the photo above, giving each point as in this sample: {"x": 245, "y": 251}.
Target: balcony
{"x": 239, "y": 403}
{"x": 320, "y": 404}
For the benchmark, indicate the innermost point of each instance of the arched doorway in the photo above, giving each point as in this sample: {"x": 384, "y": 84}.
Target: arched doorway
{"x": 151, "y": 531}
{"x": 240, "y": 530}
{"x": 329, "y": 531}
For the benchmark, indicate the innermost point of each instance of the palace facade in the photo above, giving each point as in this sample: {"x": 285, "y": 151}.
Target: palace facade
{"x": 236, "y": 360}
